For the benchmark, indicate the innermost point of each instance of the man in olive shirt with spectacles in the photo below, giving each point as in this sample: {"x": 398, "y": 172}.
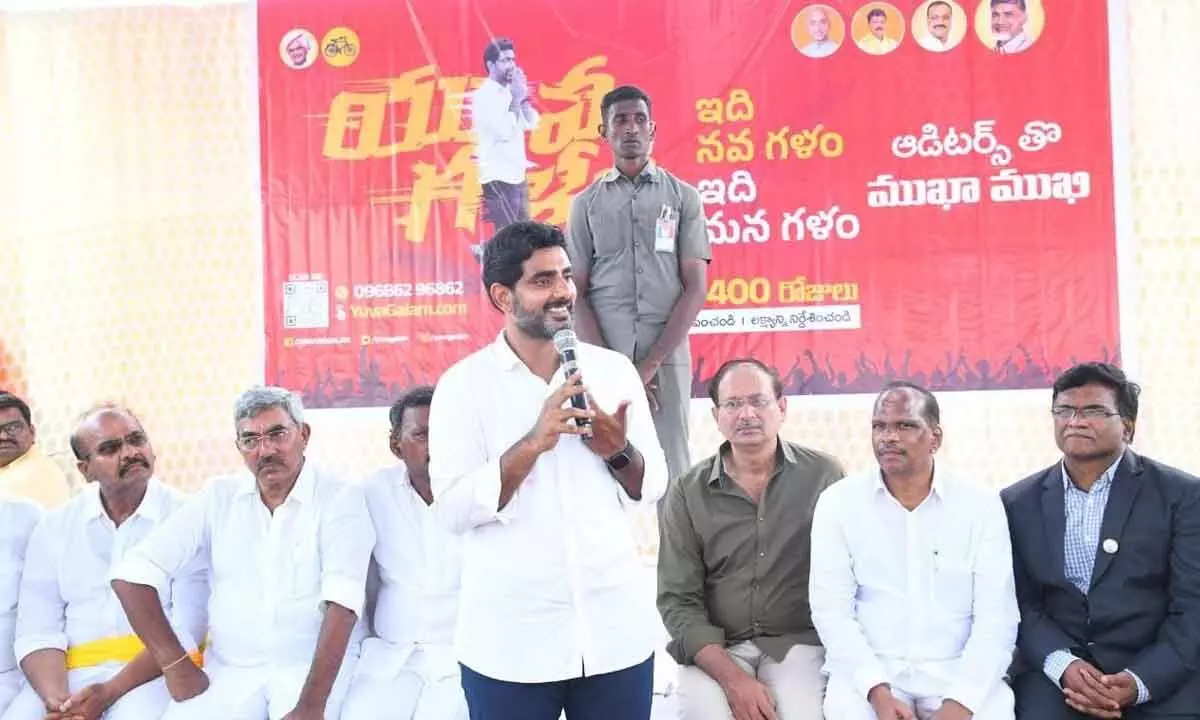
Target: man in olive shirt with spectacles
{"x": 734, "y": 558}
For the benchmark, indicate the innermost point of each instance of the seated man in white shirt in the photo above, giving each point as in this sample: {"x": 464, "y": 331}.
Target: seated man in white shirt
{"x": 553, "y": 613}
{"x": 17, "y": 520}
{"x": 407, "y": 669}
{"x": 288, "y": 546}
{"x": 78, "y": 652}
{"x": 911, "y": 583}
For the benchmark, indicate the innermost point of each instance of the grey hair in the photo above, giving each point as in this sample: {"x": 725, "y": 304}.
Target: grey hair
{"x": 261, "y": 398}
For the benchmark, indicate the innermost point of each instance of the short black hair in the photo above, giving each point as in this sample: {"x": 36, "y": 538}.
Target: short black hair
{"x": 491, "y": 53}
{"x": 876, "y": 12}
{"x": 714, "y": 384}
{"x": 8, "y": 400}
{"x": 506, "y": 253}
{"x": 620, "y": 94}
{"x": 929, "y": 8}
{"x": 417, "y": 397}
{"x": 1106, "y": 374}
{"x": 930, "y": 410}
{"x": 1018, "y": 3}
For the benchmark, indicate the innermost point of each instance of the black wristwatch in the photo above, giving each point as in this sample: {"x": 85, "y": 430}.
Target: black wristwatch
{"x": 621, "y": 459}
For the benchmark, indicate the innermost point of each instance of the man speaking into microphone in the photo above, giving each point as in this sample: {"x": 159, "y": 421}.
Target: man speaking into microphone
{"x": 553, "y": 615}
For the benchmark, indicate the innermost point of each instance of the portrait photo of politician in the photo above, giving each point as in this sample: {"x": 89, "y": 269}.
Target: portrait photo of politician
{"x": 877, "y": 28}
{"x": 818, "y": 31}
{"x": 1009, "y": 27}
{"x": 939, "y": 25}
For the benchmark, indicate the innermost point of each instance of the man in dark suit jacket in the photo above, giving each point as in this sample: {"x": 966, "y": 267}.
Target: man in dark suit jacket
{"x": 1106, "y": 559}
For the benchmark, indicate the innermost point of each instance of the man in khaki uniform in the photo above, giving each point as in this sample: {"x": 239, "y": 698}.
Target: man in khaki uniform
{"x": 639, "y": 250}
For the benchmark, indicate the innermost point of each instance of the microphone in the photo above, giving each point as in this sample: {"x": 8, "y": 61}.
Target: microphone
{"x": 565, "y": 343}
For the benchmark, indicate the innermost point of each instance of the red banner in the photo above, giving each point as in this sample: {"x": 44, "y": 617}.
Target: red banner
{"x": 907, "y": 189}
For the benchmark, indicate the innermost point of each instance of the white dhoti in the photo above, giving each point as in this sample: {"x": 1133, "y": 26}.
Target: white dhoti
{"x": 10, "y": 686}
{"x": 404, "y": 683}
{"x": 844, "y": 702}
{"x": 141, "y": 703}
{"x": 260, "y": 692}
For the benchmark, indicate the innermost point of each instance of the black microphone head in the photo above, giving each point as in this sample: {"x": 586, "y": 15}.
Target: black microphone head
{"x": 565, "y": 341}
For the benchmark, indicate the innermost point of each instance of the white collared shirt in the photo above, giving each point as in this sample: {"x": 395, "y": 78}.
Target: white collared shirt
{"x": 1017, "y": 43}
{"x": 18, "y": 518}
{"x": 65, "y": 596}
{"x": 931, "y": 43}
{"x": 271, "y": 572}
{"x": 500, "y": 133}
{"x": 420, "y": 564}
{"x": 926, "y": 594}
{"x": 552, "y": 584}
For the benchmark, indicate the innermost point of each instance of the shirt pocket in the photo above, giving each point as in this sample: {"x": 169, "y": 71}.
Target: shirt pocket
{"x": 953, "y": 585}
{"x": 609, "y": 228}
{"x": 303, "y": 574}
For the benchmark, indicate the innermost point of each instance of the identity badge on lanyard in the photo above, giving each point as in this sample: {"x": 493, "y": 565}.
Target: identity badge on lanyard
{"x": 665, "y": 229}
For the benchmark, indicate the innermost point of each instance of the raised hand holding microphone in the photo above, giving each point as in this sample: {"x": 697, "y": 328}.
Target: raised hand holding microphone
{"x": 604, "y": 434}
{"x": 556, "y": 420}
{"x": 565, "y": 343}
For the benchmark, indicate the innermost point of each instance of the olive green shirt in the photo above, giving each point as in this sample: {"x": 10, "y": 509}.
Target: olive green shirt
{"x": 731, "y": 571}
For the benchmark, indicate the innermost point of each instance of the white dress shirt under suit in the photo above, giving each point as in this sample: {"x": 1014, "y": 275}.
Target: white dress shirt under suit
{"x": 408, "y": 665}
{"x": 551, "y": 586}
{"x": 66, "y": 601}
{"x": 922, "y": 599}
{"x": 17, "y": 521}
{"x": 271, "y": 574}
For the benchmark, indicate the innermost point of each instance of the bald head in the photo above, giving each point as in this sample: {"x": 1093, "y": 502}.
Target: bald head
{"x": 112, "y": 449}
{"x": 90, "y": 421}
{"x": 818, "y": 23}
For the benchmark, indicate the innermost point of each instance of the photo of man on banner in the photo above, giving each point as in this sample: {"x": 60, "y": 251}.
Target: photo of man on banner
{"x": 501, "y": 113}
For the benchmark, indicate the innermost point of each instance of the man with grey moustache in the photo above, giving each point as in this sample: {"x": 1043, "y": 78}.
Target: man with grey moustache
{"x": 289, "y": 546}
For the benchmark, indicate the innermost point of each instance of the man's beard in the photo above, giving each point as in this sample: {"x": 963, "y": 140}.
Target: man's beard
{"x": 537, "y": 324}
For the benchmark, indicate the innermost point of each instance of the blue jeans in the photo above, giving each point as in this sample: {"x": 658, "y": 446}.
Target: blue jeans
{"x": 624, "y": 695}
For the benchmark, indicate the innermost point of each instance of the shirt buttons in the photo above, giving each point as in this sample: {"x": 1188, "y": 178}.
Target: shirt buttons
{"x": 641, "y": 270}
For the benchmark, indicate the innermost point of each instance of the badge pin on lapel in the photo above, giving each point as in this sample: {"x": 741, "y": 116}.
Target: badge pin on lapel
{"x": 1110, "y": 546}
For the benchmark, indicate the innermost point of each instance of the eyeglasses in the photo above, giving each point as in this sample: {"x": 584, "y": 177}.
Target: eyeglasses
{"x": 13, "y": 429}
{"x": 1087, "y": 412}
{"x": 758, "y": 402}
{"x": 276, "y": 437}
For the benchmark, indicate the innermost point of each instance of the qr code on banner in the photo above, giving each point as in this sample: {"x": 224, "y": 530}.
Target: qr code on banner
{"x": 306, "y": 304}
